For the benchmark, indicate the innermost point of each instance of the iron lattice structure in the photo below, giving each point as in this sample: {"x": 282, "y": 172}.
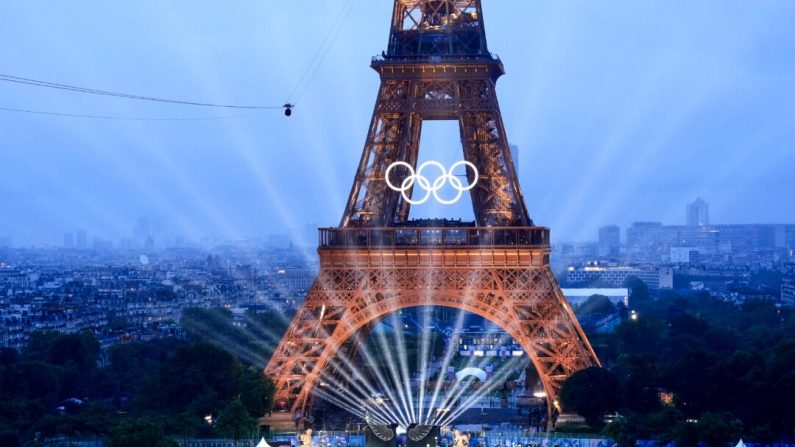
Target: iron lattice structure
{"x": 438, "y": 67}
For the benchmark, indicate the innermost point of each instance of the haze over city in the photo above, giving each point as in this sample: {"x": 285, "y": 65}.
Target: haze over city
{"x": 620, "y": 114}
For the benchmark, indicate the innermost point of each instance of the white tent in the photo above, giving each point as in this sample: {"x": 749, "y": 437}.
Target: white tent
{"x": 471, "y": 372}
{"x": 740, "y": 444}
{"x": 263, "y": 443}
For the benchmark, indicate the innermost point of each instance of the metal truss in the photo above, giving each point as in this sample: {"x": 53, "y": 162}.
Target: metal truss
{"x": 411, "y": 92}
{"x": 438, "y": 28}
{"x": 513, "y": 288}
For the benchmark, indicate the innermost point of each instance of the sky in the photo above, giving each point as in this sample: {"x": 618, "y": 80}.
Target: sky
{"x": 623, "y": 111}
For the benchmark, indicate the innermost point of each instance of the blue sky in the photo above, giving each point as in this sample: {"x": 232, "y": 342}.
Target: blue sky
{"x": 623, "y": 111}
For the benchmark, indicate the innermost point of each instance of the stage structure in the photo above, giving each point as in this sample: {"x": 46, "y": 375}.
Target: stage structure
{"x": 437, "y": 67}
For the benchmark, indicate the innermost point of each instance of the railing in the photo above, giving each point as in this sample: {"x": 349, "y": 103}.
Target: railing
{"x": 435, "y": 59}
{"x": 450, "y": 237}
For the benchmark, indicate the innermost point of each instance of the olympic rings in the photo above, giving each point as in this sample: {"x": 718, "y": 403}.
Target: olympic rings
{"x": 431, "y": 189}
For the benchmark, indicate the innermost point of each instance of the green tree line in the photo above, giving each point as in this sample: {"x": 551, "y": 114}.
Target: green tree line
{"x": 692, "y": 369}
{"x": 143, "y": 394}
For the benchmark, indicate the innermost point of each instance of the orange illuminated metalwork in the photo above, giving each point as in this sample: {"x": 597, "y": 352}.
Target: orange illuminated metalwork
{"x": 377, "y": 262}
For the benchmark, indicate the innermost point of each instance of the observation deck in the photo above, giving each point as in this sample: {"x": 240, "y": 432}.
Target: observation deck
{"x": 434, "y": 238}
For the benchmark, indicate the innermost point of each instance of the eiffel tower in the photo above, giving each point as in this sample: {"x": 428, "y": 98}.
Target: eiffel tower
{"x": 377, "y": 262}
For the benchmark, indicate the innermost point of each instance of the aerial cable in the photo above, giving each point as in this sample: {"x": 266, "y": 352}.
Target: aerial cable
{"x": 119, "y": 118}
{"x": 301, "y": 86}
{"x": 73, "y": 88}
{"x": 331, "y": 37}
{"x": 317, "y": 53}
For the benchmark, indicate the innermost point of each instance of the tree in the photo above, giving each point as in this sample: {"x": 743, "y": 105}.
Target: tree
{"x": 691, "y": 380}
{"x": 718, "y": 430}
{"x": 79, "y": 350}
{"x": 37, "y": 381}
{"x": 201, "y": 377}
{"x": 780, "y": 375}
{"x": 235, "y": 421}
{"x": 94, "y": 419}
{"x": 621, "y": 432}
{"x": 256, "y": 392}
{"x": 9, "y": 439}
{"x": 598, "y": 306}
{"x": 638, "y": 291}
{"x": 686, "y": 434}
{"x": 139, "y": 433}
{"x": 638, "y": 375}
{"x": 592, "y": 393}
{"x": 643, "y": 336}
{"x": 135, "y": 364}
{"x": 8, "y": 356}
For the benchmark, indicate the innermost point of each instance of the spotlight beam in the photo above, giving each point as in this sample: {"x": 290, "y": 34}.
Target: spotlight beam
{"x": 448, "y": 357}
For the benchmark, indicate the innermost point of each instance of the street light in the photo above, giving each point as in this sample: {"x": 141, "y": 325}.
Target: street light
{"x": 538, "y": 391}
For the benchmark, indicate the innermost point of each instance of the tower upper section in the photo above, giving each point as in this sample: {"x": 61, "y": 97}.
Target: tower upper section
{"x": 424, "y": 29}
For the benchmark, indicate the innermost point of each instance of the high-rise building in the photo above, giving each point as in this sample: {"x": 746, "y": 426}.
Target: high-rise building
{"x": 789, "y": 236}
{"x": 69, "y": 240}
{"x": 515, "y": 156}
{"x": 609, "y": 240}
{"x": 6, "y": 242}
{"x": 698, "y": 213}
{"x": 748, "y": 238}
{"x": 788, "y": 291}
{"x": 650, "y": 241}
{"x": 82, "y": 239}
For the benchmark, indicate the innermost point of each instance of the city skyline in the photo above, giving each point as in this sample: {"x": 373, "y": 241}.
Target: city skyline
{"x": 610, "y": 129}
{"x": 304, "y": 236}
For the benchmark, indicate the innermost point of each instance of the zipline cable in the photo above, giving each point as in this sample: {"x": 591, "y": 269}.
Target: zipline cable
{"x": 303, "y": 84}
{"x": 341, "y": 16}
{"x": 54, "y": 85}
{"x": 328, "y": 50}
{"x": 119, "y": 118}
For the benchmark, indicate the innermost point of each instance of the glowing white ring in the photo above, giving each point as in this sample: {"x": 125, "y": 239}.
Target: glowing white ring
{"x": 423, "y": 182}
{"x": 474, "y": 170}
{"x": 417, "y": 177}
{"x": 393, "y": 166}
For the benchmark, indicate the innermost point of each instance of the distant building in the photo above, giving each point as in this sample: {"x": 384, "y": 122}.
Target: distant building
{"x": 81, "y": 239}
{"x": 789, "y": 236}
{"x": 588, "y": 250}
{"x": 6, "y": 242}
{"x": 685, "y": 255}
{"x": 102, "y": 244}
{"x": 698, "y": 213}
{"x": 609, "y": 241}
{"x": 68, "y": 240}
{"x": 705, "y": 238}
{"x": 296, "y": 279}
{"x": 616, "y": 276}
{"x": 747, "y": 238}
{"x": 788, "y": 291}
{"x": 650, "y": 241}
{"x": 515, "y": 156}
